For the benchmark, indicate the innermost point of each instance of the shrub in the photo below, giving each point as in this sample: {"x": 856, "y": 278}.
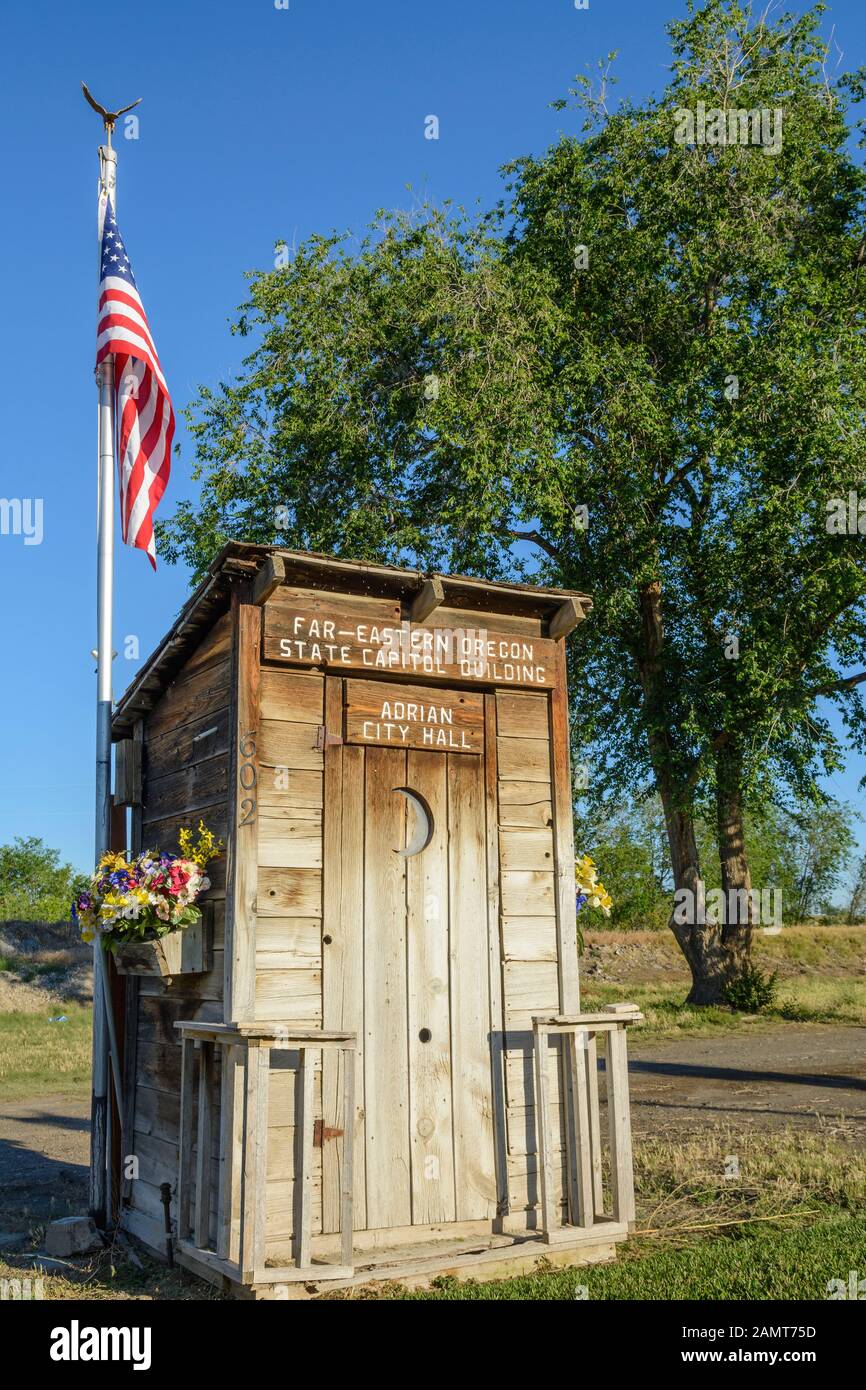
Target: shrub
{"x": 751, "y": 991}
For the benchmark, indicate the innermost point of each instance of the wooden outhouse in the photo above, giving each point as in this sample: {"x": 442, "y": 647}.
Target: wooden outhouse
{"x": 371, "y": 1061}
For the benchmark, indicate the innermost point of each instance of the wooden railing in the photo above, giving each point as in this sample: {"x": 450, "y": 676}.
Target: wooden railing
{"x": 587, "y": 1211}
{"x": 239, "y": 1249}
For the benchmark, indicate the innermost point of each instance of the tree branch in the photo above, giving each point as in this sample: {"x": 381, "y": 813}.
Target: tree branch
{"x": 836, "y": 687}
{"x": 537, "y": 539}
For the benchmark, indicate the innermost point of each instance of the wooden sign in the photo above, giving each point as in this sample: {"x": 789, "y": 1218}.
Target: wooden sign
{"x": 414, "y": 716}
{"x": 338, "y": 633}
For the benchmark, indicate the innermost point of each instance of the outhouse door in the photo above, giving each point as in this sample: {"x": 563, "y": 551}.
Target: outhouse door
{"x": 406, "y": 964}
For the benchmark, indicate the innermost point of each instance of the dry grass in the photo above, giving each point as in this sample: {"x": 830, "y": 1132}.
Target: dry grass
{"x": 728, "y": 1175}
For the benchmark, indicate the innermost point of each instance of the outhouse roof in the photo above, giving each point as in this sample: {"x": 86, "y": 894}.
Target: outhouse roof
{"x": 267, "y": 565}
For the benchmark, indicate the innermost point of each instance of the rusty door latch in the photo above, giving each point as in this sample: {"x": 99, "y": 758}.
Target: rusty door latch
{"x": 321, "y": 1132}
{"x": 325, "y": 739}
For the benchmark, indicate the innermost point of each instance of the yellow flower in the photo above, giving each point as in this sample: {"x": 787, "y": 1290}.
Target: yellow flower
{"x": 113, "y": 861}
{"x": 206, "y": 848}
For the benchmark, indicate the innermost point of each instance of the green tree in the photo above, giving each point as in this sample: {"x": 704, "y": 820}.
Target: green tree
{"x": 821, "y": 849}
{"x": 34, "y": 885}
{"x": 857, "y": 894}
{"x": 550, "y": 390}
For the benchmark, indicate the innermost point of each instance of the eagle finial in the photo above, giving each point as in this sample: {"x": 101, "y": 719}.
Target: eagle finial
{"x": 109, "y": 118}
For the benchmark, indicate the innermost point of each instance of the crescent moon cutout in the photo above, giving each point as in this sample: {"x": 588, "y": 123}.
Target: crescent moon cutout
{"x": 423, "y": 823}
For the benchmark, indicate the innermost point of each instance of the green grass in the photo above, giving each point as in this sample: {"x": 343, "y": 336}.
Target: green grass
{"x": 39, "y": 1058}
{"x": 800, "y": 999}
{"x": 757, "y": 1264}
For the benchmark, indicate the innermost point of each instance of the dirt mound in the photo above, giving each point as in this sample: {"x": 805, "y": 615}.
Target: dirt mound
{"x": 42, "y": 963}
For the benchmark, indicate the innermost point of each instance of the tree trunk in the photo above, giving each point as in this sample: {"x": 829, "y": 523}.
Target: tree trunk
{"x": 701, "y": 942}
{"x": 711, "y": 960}
{"x": 740, "y": 908}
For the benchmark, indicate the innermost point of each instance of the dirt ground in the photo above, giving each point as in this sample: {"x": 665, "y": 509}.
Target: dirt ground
{"x": 796, "y": 1076}
{"x": 808, "y": 1076}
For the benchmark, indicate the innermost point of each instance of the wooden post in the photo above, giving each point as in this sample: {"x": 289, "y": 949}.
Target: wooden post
{"x": 542, "y": 1113}
{"x": 563, "y": 842}
{"x": 204, "y": 1144}
{"x": 184, "y": 1168}
{"x": 594, "y": 1121}
{"x": 347, "y": 1193}
{"x": 495, "y": 956}
{"x": 231, "y": 1153}
{"x": 242, "y": 875}
{"x": 621, "y": 1170}
{"x": 255, "y": 1169}
{"x": 303, "y": 1187}
{"x": 581, "y": 1161}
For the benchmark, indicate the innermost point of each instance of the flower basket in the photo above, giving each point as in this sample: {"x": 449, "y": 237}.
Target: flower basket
{"x": 145, "y": 910}
{"x": 183, "y": 952}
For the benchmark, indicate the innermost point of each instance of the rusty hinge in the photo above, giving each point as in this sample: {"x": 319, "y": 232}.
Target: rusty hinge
{"x": 325, "y": 739}
{"x": 321, "y": 1132}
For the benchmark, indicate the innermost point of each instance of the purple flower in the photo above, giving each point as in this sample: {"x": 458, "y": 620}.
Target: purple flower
{"x": 580, "y": 900}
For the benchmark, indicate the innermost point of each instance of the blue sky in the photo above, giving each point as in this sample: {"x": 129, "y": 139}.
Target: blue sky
{"x": 258, "y": 124}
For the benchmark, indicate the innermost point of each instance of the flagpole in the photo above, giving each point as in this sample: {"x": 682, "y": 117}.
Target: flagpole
{"x": 104, "y": 1033}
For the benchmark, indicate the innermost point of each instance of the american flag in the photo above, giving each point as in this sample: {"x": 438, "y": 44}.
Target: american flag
{"x": 145, "y": 419}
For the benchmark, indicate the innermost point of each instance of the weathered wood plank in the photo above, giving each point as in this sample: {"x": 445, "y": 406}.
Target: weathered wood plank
{"x": 528, "y": 893}
{"x": 474, "y": 1164}
{"x": 520, "y": 715}
{"x": 542, "y": 1113}
{"x": 206, "y": 737}
{"x": 283, "y": 942}
{"x": 479, "y": 620}
{"x": 255, "y": 1159}
{"x": 291, "y": 695}
{"x": 283, "y": 743}
{"x": 619, "y": 1127}
{"x": 343, "y": 962}
{"x": 289, "y": 790}
{"x": 290, "y": 893}
{"x": 190, "y": 790}
{"x": 190, "y": 697}
{"x": 533, "y": 813}
{"x": 529, "y": 938}
{"x": 213, "y": 649}
{"x": 290, "y": 996}
{"x": 495, "y": 952}
{"x": 242, "y": 887}
{"x": 523, "y": 759}
{"x": 430, "y": 1109}
{"x": 303, "y": 1171}
{"x": 289, "y": 844}
{"x": 386, "y": 1070}
{"x": 332, "y": 636}
{"x": 531, "y": 987}
{"x": 408, "y": 716}
{"x": 526, "y": 848}
{"x": 204, "y": 1192}
{"x": 185, "y": 1147}
{"x": 560, "y": 774}
{"x": 231, "y": 1121}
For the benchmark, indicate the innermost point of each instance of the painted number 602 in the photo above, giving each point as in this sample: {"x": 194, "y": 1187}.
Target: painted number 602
{"x": 247, "y": 777}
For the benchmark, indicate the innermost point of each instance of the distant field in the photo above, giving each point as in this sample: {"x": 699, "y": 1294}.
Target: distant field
{"x": 38, "y": 1057}
{"x": 822, "y": 979}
